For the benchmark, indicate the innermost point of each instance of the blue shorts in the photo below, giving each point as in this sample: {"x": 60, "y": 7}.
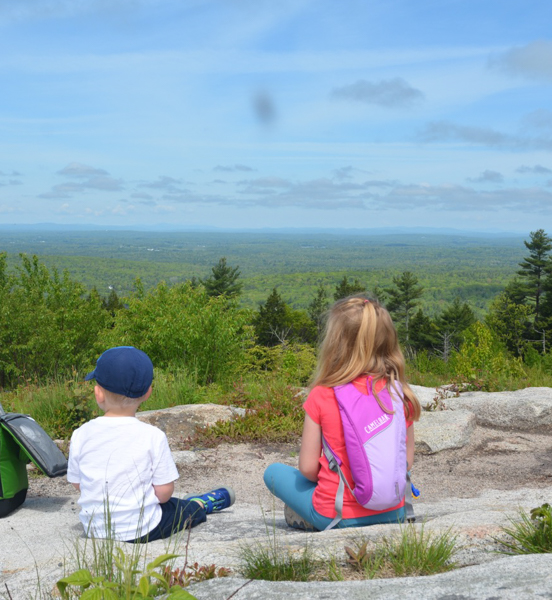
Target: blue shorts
{"x": 296, "y": 491}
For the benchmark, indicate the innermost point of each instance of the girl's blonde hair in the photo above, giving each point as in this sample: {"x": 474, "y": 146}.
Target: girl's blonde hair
{"x": 360, "y": 339}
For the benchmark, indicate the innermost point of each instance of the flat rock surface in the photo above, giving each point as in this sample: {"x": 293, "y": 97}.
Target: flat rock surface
{"x": 515, "y": 578}
{"x": 444, "y": 430}
{"x": 475, "y": 490}
{"x": 180, "y": 422}
{"x": 523, "y": 410}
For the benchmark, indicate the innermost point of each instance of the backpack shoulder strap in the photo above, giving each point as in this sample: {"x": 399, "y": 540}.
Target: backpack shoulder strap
{"x": 334, "y": 464}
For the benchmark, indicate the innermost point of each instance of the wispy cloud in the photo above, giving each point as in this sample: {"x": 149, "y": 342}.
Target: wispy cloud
{"x": 538, "y": 119}
{"x": 88, "y": 178}
{"x": 163, "y": 182}
{"x": 537, "y": 169}
{"x": 533, "y": 60}
{"x": 488, "y": 177}
{"x": 446, "y": 131}
{"x": 391, "y": 93}
{"x": 141, "y": 196}
{"x": 76, "y": 169}
{"x": 232, "y": 168}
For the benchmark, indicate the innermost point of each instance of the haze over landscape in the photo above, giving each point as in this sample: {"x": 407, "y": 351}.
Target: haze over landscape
{"x": 300, "y": 113}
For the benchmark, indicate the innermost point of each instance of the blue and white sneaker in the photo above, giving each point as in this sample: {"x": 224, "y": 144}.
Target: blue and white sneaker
{"x": 214, "y": 501}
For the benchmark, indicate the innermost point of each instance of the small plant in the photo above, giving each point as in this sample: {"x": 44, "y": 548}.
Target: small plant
{"x": 132, "y": 583}
{"x": 275, "y": 562}
{"x": 410, "y": 553}
{"x": 532, "y": 534}
{"x": 193, "y": 574}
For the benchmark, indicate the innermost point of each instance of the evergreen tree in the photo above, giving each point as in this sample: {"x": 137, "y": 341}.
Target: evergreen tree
{"x": 454, "y": 320}
{"x": 510, "y": 321}
{"x": 318, "y": 307}
{"x": 379, "y": 294}
{"x": 223, "y": 281}
{"x": 403, "y": 299}
{"x": 535, "y": 267}
{"x": 345, "y": 288}
{"x": 271, "y": 323}
{"x": 424, "y": 334}
{"x": 112, "y": 303}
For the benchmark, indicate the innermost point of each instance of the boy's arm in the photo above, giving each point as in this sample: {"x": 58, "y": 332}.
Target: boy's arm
{"x": 164, "y": 492}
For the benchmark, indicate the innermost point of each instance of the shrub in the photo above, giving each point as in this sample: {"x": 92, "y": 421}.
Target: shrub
{"x": 274, "y": 413}
{"x": 182, "y": 327}
{"x": 295, "y": 363}
{"x": 482, "y": 360}
{"x": 48, "y": 324}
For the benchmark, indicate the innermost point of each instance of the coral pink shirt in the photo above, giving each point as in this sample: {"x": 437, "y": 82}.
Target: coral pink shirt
{"x": 321, "y": 406}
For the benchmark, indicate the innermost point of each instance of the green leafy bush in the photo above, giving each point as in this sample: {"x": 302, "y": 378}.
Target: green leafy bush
{"x": 294, "y": 363}
{"x": 482, "y": 360}
{"x": 182, "y": 327}
{"x": 131, "y": 584}
{"x": 48, "y": 324}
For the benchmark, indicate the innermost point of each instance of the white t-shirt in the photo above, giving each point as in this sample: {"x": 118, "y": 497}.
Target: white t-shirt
{"x": 117, "y": 461}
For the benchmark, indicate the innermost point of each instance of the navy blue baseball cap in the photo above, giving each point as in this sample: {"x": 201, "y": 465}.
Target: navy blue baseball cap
{"x": 123, "y": 370}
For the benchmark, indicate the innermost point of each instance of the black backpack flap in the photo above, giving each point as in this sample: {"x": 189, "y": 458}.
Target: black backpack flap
{"x": 36, "y": 443}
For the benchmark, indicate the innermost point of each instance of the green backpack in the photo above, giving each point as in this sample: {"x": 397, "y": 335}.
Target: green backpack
{"x": 22, "y": 440}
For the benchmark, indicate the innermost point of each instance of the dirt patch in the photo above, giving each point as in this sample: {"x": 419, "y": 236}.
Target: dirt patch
{"x": 494, "y": 459}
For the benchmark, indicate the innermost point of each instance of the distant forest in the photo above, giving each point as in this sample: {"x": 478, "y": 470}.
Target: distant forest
{"x": 474, "y": 270}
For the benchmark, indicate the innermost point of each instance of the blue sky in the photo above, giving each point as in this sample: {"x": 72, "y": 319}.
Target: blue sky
{"x": 296, "y": 113}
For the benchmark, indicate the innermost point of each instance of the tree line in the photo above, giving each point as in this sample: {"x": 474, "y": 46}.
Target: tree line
{"x": 51, "y": 325}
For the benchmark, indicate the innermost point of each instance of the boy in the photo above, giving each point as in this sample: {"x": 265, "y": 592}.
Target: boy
{"x": 123, "y": 468}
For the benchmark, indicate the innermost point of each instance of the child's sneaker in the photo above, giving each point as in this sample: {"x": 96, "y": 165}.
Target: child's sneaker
{"x": 216, "y": 500}
{"x": 296, "y": 521}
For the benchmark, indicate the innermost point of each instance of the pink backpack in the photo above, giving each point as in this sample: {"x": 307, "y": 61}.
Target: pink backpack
{"x": 376, "y": 447}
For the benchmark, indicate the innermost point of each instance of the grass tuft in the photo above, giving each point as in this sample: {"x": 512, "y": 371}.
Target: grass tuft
{"x": 275, "y": 561}
{"x": 532, "y": 533}
{"x": 411, "y": 553}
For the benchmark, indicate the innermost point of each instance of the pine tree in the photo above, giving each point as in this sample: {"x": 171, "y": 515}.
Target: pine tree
{"x": 403, "y": 299}
{"x": 344, "y": 288}
{"x": 454, "y": 320}
{"x": 535, "y": 267}
{"x": 318, "y": 307}
{"x": 223, "y": 281}
{"x": 423, "y": 332}
{"x": 271, "y": 323}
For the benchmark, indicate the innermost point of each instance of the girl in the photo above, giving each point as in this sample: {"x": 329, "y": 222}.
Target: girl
{"x": 360, "y": 345}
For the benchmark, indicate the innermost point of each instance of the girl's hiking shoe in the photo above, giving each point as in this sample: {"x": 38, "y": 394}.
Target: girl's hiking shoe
{"x": 214, "y": 501}
{"x": 296, "y": 521}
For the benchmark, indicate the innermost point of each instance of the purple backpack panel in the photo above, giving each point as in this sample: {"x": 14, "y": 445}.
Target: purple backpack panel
{"x": 376, "y": 444}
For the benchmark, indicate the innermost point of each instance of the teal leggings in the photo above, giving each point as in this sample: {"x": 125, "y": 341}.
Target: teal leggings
{"x": 296, "y": 491}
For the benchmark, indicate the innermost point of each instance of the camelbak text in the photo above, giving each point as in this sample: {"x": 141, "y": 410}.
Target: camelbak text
{"x": 377, "y": 423}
